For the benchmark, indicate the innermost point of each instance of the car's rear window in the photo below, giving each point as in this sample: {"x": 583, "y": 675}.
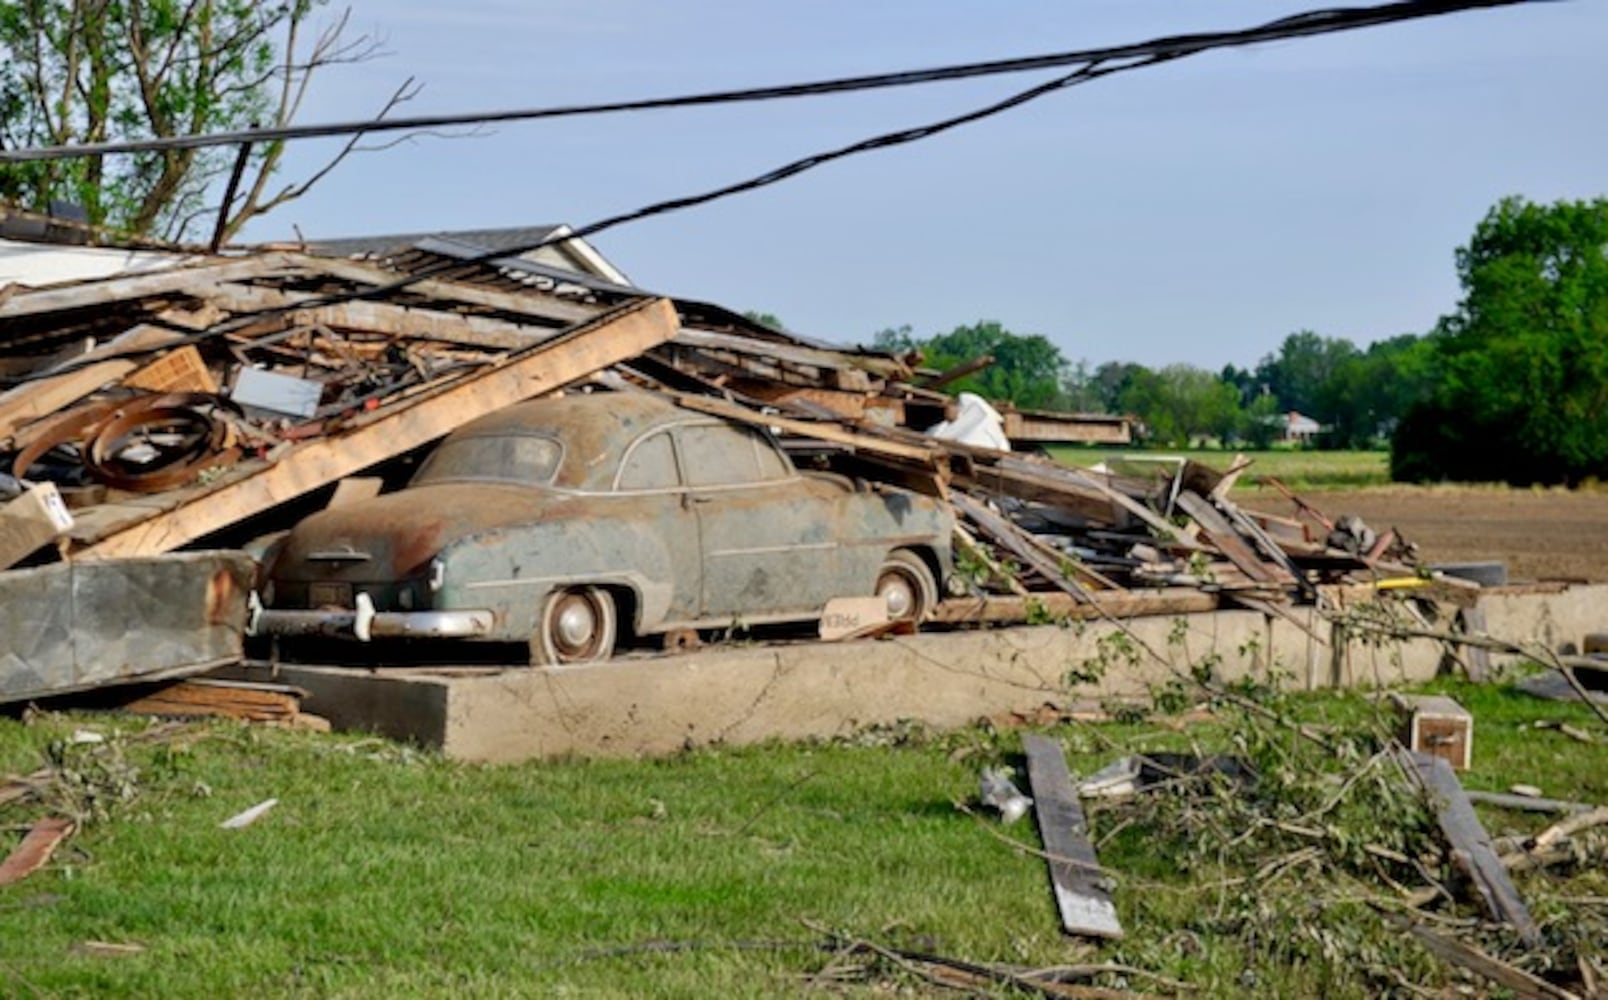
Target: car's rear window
{"x": 515, "y": 458}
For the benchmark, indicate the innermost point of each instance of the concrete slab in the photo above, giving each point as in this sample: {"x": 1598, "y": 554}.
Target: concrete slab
{"x": 737, "y": 695}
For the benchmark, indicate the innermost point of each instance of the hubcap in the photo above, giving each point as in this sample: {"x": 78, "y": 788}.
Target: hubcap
{"x": 899, "y": 594}
{"x": 576, "y": 624}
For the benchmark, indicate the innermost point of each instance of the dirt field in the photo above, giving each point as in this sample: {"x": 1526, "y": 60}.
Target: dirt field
{"x": 1541, "y": 535}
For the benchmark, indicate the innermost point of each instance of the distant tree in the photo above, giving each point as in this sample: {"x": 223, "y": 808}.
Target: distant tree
{"x": 1367, "y": 395}
{"x": 1028, "y": 370}
{"x": 87, "y": 71}
{"x": 1112, "y": 381}
{"x": 1296, "y": 375}
{"x": 765, "y": 319}
{"x": 1521, "y": 368}
{"x": 1182, "y": 404}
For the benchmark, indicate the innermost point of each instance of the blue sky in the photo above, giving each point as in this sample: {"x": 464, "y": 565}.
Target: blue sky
{"x": 1195, "y": 212}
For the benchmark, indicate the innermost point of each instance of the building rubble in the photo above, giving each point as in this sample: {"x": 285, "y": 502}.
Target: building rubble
{"x": 200, "y": 406}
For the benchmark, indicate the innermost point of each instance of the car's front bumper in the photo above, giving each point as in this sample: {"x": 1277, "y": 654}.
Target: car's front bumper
{"x": 365, "y": 623}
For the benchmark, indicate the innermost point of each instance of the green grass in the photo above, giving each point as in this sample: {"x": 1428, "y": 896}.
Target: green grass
{"x": 390, "y": 872}
{"x": 1297, "y": 469}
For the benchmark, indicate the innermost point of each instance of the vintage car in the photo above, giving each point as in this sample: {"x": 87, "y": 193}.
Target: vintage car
{"x": 578, "y": 522}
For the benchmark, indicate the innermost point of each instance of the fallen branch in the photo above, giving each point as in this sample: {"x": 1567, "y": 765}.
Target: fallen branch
{"x": 1457, "y": 953}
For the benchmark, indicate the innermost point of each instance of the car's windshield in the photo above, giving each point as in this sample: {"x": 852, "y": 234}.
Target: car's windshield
{"x": 516, "y": 458}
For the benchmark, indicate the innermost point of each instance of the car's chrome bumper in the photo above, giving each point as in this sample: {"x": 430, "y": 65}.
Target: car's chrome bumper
{"x": 365, "y": 623}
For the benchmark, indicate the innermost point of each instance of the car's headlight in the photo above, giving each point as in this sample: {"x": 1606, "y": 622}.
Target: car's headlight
{"x": 438, "y": 574}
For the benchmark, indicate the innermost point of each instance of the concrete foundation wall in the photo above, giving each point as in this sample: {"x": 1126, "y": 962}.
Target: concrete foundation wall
{"x": 661, "y": 704}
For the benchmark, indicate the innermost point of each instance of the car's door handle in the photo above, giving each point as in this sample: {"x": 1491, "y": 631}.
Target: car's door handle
{"x": 688, "y": 499}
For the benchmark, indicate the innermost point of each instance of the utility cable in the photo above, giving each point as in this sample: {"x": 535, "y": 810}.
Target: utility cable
{"x": 1311, "y": 23}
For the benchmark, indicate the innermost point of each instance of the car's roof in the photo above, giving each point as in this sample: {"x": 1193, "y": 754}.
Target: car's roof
{"x": 630, "y": 413}
{"x": 595, "y": 429}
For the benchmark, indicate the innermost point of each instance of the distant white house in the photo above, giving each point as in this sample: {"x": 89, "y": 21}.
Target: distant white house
{"x": 1298, "y": 428}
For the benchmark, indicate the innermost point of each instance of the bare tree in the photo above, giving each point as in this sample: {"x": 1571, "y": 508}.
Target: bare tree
{"x": 86, "y": 71}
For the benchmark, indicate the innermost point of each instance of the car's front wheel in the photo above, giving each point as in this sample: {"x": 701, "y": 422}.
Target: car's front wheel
{"x": 577, "y": 625}
{"x": 907, "y": 585}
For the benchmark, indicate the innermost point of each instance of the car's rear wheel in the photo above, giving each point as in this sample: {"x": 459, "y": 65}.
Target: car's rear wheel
{"x": 906, "y": 584}
{"x": 577, "y": 625}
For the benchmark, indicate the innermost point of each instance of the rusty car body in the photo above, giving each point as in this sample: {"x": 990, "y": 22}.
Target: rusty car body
{"x": 570, "y": 523}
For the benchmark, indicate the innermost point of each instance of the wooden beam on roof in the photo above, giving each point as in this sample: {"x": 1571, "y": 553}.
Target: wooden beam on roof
{"x": 381, "y": 317}
{"x": 532, "y": 304}
{"x": 819, "y": 430}
{"x": 88, "y": 294}
{"x": 615, "y": 336}
{"x": 793, "y": 353}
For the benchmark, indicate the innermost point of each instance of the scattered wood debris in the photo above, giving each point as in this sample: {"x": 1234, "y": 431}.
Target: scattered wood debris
{"x": 36, "y": 848}
{"x": 1081, "y": 894}
{"x": 278, "y": 704}
{"x": 1471, "y": 849}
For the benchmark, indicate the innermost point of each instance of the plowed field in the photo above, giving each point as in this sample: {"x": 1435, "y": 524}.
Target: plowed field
{"x": 1540, "y": 534}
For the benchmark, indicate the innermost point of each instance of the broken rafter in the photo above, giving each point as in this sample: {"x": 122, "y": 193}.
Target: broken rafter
{"x": 1054, "y": 566}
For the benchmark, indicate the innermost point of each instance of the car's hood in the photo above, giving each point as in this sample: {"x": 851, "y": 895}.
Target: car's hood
{"x": 396, "y": 535}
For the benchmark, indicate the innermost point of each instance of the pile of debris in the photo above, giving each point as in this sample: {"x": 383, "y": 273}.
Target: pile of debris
{"x": 204, "y": 404}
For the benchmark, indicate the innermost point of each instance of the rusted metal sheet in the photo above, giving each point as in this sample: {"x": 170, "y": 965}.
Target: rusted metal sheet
{"x": 80, "y": 625}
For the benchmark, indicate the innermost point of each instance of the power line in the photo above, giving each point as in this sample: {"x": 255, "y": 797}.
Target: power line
{"x": 1146, "y": 54}
{"x": 1312, "y": 23}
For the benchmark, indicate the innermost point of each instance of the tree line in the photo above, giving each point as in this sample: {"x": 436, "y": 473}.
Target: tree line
{"x": 1512, "y": 385}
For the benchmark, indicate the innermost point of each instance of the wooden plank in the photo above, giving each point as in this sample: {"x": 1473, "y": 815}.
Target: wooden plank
{"x": 1049, "y": 563}
{"x": 88, "y": 294}
{"x": 1117, "y": 604}
{"x": 925, "y": 455}
{"x": 236, "y": 700}
{"x": 381, "y": 317}
{"x": 41, "y": 397}
{"x": 1476, "y": 659}
{"x": 1471, "y": 848}
{"x": 792, "y": 354}
{"x": 615, "y": 336}
{"x": 1228, "y": 541}
{"x": 1081, "y": 897}
{"x": 36, "y": 848}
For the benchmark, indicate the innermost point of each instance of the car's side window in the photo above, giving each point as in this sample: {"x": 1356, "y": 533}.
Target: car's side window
{"x": 722, "y": 455}
{"x": 650, "y": 465}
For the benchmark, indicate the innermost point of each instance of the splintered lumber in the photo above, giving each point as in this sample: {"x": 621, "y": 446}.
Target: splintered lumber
{"x": 1223, "y": 535}
{"x": 512, "y": 303}
{"x": 87, "y": 295}
{"x": 381, "y": 317}
{"x": 1081, "y": 897}
{"x": 1119, "y": 604}
{"x": 614, "y": 336}
{"x": 1471, "y": 848}
{"x": 36, "y": 848}
{"x": 1049, "y": 564}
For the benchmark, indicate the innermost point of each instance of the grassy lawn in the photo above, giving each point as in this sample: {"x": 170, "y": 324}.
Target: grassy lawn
{"x": 386, "y": 871}
{"x": 1299, "y": 470}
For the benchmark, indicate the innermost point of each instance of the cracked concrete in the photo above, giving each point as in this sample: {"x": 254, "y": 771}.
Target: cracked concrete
{"x": 659, "y": 705}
